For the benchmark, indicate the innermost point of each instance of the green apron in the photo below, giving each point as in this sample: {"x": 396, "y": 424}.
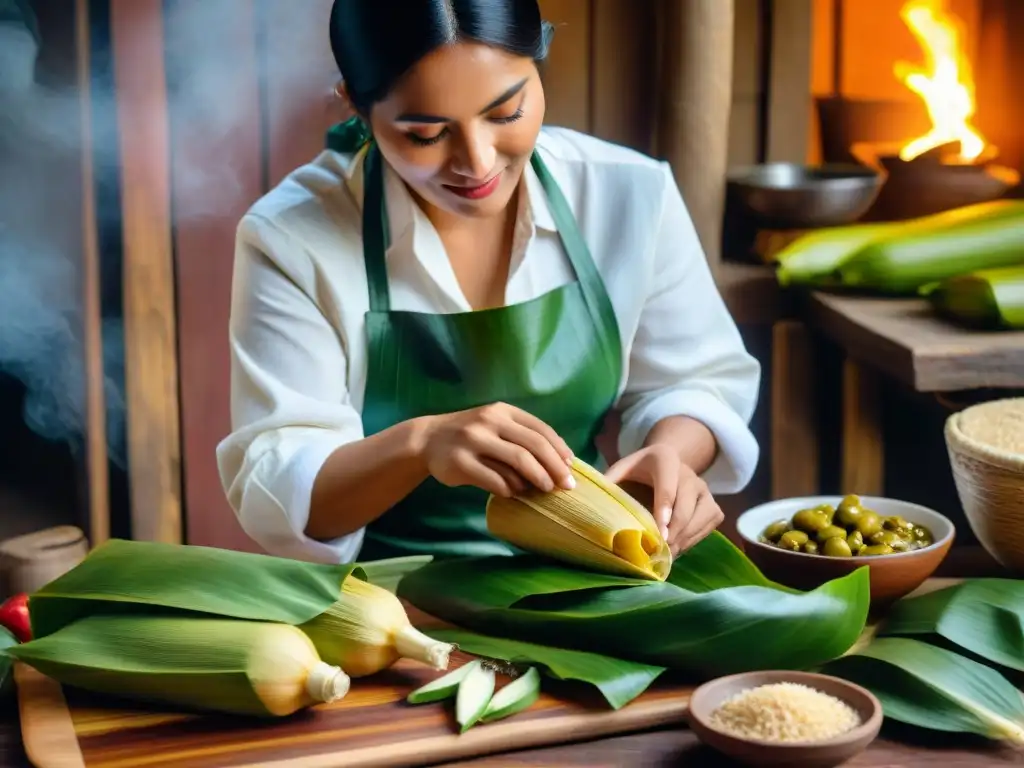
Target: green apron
{"x": 558, "y": 356}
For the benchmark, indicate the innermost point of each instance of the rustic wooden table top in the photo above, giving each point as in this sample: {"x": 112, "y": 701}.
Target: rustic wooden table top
{"x": 678, "y": 747}
{"x": 905, "y": 339}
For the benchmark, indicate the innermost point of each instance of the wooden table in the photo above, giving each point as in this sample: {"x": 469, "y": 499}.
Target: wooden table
{"x": 903, "y": 339}
{"x": 677, "y": 747}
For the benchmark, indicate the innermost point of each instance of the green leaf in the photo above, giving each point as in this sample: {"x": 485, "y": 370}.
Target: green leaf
{"x": 717, "y": 615}
{"x": 387, "y": 573}
{"x": 128, "y": 576}
{"x": 7, "y": 640}
{"x": 984, "y": 617}
{"x": 931, "y": 687}
{"x": 618, "y": 681}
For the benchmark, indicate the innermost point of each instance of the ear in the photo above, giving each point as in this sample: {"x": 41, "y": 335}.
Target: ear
{"x": 341, "y": 92}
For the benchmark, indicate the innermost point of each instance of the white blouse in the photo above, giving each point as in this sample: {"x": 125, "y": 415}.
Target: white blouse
{"x": 298, "y": 347}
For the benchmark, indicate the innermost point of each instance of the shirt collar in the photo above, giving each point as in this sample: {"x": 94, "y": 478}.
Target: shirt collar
{"x": 405, "y": 217}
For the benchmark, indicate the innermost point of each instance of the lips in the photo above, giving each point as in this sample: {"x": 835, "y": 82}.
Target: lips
{"x": 478, "y": 192}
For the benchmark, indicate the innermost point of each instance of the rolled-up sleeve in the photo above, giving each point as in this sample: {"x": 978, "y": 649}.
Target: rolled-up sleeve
{"x": 290, "y": 407}
{"x": 687, "y": 357}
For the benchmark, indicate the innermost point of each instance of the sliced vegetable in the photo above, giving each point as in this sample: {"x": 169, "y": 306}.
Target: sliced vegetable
{"x": 715, "y": 615}
{"x": 618, "y": 681}
{"x": 14, "y": 616}
{"x": 987, "y": 298}
{"x": 984, "y": 617}
{"x": 930, "y": 687}
{"x": 518, "y": 695}
{"x": 7, "y": 640}
{"x": 474, "y": 694}
{"x": 441, "y": 688}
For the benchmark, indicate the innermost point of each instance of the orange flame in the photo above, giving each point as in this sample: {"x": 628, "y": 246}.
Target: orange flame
{"x": 945, "y": 83}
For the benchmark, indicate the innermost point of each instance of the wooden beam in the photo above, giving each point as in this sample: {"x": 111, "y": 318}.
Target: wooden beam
{"x": 795, "y": 442}
{"x": 151, "y": 370}
{"x": 788, "y": 118}
{"x": 863, "y": 457}
{"x": 96, "y": 453}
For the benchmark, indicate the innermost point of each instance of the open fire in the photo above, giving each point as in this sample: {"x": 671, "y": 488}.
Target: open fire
{"x": 945, "y": 84}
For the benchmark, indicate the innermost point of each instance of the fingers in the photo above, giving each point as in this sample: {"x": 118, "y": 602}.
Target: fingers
{"x": 474, "y": 471}
{"x": 490, "y": 445}
{"x": 542, "y": 450}
{"x": 540, "y": 427}
{"x": 622, "y": 469}
{"x": 665, "y": 481}
{"x": 705, "y": 517}
{"x": 516, "y": 484}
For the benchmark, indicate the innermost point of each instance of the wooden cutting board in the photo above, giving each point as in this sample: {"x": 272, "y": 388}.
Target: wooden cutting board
{"x": 371, "y": 726}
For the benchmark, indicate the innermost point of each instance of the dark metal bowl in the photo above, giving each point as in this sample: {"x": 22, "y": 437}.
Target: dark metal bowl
{"x": 793, "y": 196}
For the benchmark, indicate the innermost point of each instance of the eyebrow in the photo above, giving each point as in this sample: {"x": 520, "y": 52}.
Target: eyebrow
{"x": 412, "y": 117}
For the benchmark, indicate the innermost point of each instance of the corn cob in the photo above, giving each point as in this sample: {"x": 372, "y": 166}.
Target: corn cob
{"x": 899, "y": 257}
{"x": 225, "y": 665}
{"x": 988, "y": 298}
{"x": 596, "y": 525}
{"x": 368, "y": 630}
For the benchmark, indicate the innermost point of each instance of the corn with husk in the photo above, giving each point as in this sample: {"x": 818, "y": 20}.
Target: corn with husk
{"x": 987, "y": 298}
{"x": 900, "y": 257}
{"x": 596, "y": 525}
{"x": 368, "y": 630}
{"x": 358, "y": 626}
{"x": 226, "y": 665}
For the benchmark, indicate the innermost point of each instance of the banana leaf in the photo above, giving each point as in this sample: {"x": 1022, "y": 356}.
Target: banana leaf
{"x": 812, "y": 259}
{"x": 982, "y": 617}
{"x": 716, "y": 614}
{"x": 125, "y": 576}
{"x": 387, "y": 573}
{"x": 931, "y": 687}
{"x": 618, "y": 681}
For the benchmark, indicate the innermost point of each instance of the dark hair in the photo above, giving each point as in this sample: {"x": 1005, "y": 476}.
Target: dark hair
{"x": 375, "y": 42}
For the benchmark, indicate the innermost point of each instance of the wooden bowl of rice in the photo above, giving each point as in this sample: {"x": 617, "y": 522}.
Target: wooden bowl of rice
{"x": 986, "y": 452}
{"x": 785, "y": 718}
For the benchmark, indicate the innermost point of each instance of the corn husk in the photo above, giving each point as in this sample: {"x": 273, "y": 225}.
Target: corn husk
{"x": 143, "y": 577}
{"x": 900, "y": 257}
{"x": 932, "y": 687}
{"x": 368, "y": 630}
{"x": 987, "y": 298}
{"x": 716, "y": 614}
{"x": 225, "y": 665}
{"x": 597, "y": 526}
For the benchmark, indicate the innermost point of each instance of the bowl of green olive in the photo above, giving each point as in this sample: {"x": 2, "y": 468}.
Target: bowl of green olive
{"x": 805, "y": 542}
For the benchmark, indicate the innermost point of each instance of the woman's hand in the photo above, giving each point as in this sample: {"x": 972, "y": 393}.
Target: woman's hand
{"x": 499, "y": 448}
{"x": 683, "y": 506}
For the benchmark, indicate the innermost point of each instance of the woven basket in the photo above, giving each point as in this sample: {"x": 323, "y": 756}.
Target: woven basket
{"x": 986, "y": 451}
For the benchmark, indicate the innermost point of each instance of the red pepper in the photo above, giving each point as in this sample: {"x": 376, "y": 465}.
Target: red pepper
{"x": 14, "y": 616}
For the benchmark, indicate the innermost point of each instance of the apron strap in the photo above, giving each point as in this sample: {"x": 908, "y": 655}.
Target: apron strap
{"x": 375, "y": 232}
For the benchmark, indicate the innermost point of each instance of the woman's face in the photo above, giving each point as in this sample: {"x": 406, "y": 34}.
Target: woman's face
{"x": 461, "y": 125}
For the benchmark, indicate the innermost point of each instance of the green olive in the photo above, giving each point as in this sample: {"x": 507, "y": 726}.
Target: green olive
{"x": 876, "y": 549}
{"x": 809, "y": 520}
{"x": 775, "y": 530}
{"x": 898, "y": 524}
{"x": 884, "y": 537}
{"x": 793, "y": 540}
{"x": 868, "y": 523}
{"x": 856, "y": 541}
{"x": 849, "y": 511}
{"x": 831, "y": 532}
{"x": 836, "y": 547}
{"x": 828, "y": 510}
{"x": 810, "y": 547}
{"x": 922, "y": 536}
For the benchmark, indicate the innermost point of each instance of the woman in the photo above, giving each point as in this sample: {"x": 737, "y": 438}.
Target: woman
{"x": 449, "y": 300}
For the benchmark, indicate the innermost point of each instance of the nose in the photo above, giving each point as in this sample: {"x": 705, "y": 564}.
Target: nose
{"x": 475, "y": 156}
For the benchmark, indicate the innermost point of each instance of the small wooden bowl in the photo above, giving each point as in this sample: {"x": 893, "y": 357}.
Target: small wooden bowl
{"x": 892, "y": 576}
{"x": 754, "y": 752}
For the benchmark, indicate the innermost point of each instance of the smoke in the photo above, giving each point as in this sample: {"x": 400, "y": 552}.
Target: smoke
{"x": 206, "y": 43}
